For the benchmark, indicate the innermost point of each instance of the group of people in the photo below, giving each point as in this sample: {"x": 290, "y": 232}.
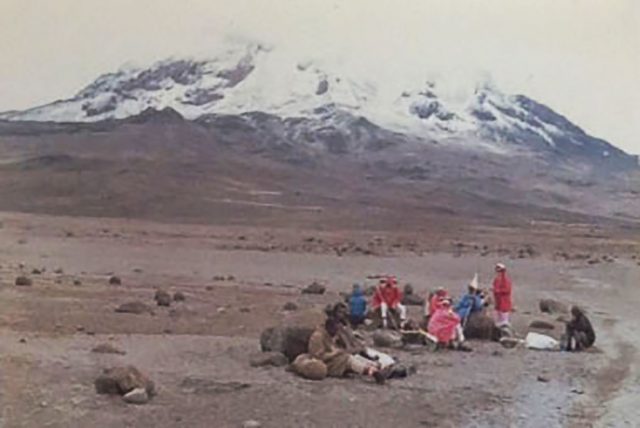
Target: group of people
{"x": 443, "y": 320}
{"x": 336, "y": 344}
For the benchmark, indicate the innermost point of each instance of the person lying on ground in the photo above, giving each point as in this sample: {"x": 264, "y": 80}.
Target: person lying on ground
{"x": 357, "y": 306}
{"x": 338, "y": 361}
{"x": 388, "y": 297}
{"x": 579, "y": 332}
{"x": 445, "y": 326}
{"x": 502, "y": 290}
{"x": 471, "y": 302}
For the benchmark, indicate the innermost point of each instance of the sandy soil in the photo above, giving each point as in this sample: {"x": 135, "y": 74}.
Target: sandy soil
{"x": 197, "y": 351}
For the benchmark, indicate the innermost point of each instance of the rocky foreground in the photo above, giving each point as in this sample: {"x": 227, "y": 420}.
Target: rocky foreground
{"x": 79, "y": 307}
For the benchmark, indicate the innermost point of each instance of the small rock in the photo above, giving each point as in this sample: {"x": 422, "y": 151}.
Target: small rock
{"x": 245, "y": 310}
{"x": 122, "y": 380}
{"x": 77, "y": 282}
{"x": 115, "y": 280}
{"x": 553, "y": 306}
{"x": 22, "y": 340}
{"x": 136, "y": 396}
{"x": 314, "y": 288}
{"x": 543, "y": 379}
{"x": 107, "y": 348}
{"x": 290, "y": 306}
{"x": 134, "y": 307}
{"x": 36, "y": 272}
{"x": 162, "y": 298}
{"x": 209, "y": 288}
{"x": 231, "y": 278}
{"x": 251, "y": 424}
{"x": 541, "y": 325}
{"x": 221, "y": 310}
{"x": 179, "y": 296}
{"x": 23, "y": 281}
{"x": 386, "y": 339}
{"x": 262, "y": 359}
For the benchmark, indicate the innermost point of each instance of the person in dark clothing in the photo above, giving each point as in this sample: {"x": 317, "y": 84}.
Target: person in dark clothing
{"x": 579, "y": 333}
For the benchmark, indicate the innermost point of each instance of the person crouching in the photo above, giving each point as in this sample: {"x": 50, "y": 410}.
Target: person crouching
{"x": 445, "y": 326}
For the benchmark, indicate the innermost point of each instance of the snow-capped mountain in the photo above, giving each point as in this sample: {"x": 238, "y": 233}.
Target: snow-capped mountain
{"x": 253, "y": 78}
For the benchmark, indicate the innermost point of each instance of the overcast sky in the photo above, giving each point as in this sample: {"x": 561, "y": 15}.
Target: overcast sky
{"x": 581, "y": 57}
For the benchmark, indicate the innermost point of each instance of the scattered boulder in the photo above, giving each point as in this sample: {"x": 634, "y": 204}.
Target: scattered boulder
{"x": 387, "y": 339}
{"x": 162, "y": 298}
{"x": 122, "y": 380}
{"x": 107, "y": 348}
{"x": 309, "y": 368}
{"x": 541, "y": 325}
{"x": 289, "y": 340}
{"x": 543, "y": 379}
{"x": 77, "y": 282}
{"x": 134, "y": 307}
{"x": 510, "y": 342}
{"x": 136, "y": 396}
{"x": 262, "y": 359}
{"x": 36, "y": 272}
{"x": 251, "y": 424}
{"x": 115, "y": 280}
{"x": 551, "y": 306}
{"x": 481, "y": 326}
{"x": 179, "y": 296}
{"x": 23, "y": 281}
{"x": 290, "y": 306}
{"x": 314, "y": 288}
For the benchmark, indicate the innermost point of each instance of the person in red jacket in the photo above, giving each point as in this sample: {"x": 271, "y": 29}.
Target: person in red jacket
{"x": 502, "y": 289}
{"x": 388, "y": 296}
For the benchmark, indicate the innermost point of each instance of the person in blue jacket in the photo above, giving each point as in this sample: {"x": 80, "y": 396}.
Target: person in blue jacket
{"x": 469, "y": 303}
{"x": 357, "y": 306}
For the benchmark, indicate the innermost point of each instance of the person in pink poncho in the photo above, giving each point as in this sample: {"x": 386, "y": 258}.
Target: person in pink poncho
{"x": 444, "y": 325}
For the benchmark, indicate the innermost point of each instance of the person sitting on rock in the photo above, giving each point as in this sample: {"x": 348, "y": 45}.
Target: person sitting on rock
{"x": 357, "y": 306}
{"x": 338, "y": 361}
{"x": 502, "y": 289}
{"x": 433, "y": 301}
{"x": 471, "y": 302}
{"x": 389, "y": 297}
{"x": 579, "y": 332}
{"x": 444, "y": 325}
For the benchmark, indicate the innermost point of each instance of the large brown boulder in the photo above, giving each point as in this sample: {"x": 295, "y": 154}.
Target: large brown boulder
{"x": 122, "y": 380}
{"x": 289, "y": 340}
{"x": 551, "y": 306}
{"x": 481, "y": 326}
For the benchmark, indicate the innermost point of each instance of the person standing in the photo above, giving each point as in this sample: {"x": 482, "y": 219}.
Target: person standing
{"x": 502, "y": 290}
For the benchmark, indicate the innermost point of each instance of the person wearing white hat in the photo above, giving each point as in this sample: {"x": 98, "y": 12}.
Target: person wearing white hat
{"x": 502, "y": 289}
{"x": 471, "y": 302}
